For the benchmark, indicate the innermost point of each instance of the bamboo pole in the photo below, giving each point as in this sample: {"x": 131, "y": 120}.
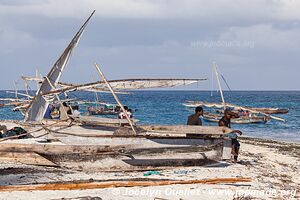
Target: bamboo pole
{"x": 114, "y": 184}
{"x": 115, "y": 96}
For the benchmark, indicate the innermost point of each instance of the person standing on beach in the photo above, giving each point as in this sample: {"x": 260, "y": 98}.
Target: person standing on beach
{"x": 194, "y": 118}
{"x": 225, "y": 121}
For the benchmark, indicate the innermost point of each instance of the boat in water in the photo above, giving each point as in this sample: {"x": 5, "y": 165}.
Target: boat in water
{"x": 104, "y": 109}
{"x": 236, "y": 107}
{"x": 254, "y": 115}
{"x": 215, "y": 117}
{"x": 271, "y": 110}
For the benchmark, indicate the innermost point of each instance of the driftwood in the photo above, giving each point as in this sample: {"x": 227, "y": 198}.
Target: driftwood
{"x": 97, "y": 185}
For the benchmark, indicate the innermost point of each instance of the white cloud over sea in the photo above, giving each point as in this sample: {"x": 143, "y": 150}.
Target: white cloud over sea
{"x": 255, "y": 42}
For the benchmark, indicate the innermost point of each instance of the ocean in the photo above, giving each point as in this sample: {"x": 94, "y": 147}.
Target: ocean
{"x": 165, "y": 107}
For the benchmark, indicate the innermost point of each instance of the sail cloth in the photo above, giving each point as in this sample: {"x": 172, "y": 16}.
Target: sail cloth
{"x": 38, "y": 106}
{"x": 134, "y": 84}
{"x": 125, "y": 85}
{"x": 205, "y": 104}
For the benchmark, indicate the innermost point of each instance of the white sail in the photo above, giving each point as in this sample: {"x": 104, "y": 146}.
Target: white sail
{"x": 38, "y": 106}
{"x": 134, "y": 84}
{"x": 125, "y": 85}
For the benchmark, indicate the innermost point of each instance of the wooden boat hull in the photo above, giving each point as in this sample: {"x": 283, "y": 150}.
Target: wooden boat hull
{"x": 241, "y": 120}
{"x": 100, "y": 121}
{"x": 153, "y": 147}
{"x": 114, "y": 149}
{"x": 125, "y": 157}
{"x": 139, "y": 155}
{"x": 140, "y": 158}
{"x": 193, "y": 104}
{"x": 271, "y": 110}
{"x": 95, "y": 111}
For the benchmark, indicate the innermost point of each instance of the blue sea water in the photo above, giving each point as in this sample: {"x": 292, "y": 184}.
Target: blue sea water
{"x": 165, "y": 107}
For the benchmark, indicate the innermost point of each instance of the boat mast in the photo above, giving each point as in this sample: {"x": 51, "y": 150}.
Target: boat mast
{"x": 97, "y": 99}
{"x": 212, "y": 83}
{"x": 16, "y": 90}
{"x": 38, "y": 106}
{"x": 219, "y": 84}
{"x": 37, "y": 75}
{"x": 26, "y": 85}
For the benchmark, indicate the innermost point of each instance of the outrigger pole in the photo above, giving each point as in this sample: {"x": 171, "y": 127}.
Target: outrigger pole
{"x": 115, "y": 96}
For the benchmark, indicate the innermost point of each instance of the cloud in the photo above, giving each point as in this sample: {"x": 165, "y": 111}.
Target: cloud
{"x": 154, "y": 38}
{"x": 264, "y": 36}
{"x": 161, "y": 9}
{"x": 11, "y": 39}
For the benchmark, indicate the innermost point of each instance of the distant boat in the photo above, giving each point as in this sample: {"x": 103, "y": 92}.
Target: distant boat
{"x": 271, "y": 110}
{"x": 241, "y": 120}
{"x": 256, "y": 115}
{"x": 104, "y": 109}
{"x": 235, "y": 107}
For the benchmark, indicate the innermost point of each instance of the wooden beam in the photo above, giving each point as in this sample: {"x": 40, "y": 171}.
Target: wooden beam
{"x": 55, "y": 149}
{"x": 185, "y": 129}
{"x": 111, "y": 184}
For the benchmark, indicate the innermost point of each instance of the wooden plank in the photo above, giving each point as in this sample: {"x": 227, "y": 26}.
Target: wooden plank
{"x": 111, "y": 184}
{"x": 58, "y": 148}
{"x": 25, "y": 158}
{"x": 90, "y": 120}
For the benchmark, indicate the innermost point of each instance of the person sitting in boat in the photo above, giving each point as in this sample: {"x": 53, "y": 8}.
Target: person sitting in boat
{"x": 122, "y": 115}
{"x": 3, "y": 129}
{"x": 194, "y": 118}
{"x": 225, "y": 121}
{"x": 241, "y": 112}
{"x": 246, "y": 113}
{"x": 129, "y": 113}
{"x": 63, "y": 111}
{"x": 76, "y": 110}
{"x": 48, "y": 112}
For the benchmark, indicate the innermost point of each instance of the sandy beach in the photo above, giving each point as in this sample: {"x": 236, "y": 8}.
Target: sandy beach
{"x": 272, "y": 166}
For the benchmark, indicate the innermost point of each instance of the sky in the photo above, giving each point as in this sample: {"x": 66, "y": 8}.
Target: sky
{"x": 255, "y": 43}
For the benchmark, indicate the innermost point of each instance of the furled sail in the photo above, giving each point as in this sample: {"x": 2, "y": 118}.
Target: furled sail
{"x": 38, "y": 106}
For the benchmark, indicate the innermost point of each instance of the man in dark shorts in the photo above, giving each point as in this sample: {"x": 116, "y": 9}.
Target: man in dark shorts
{"x": 194, "y": 118}
{"x": 225, "y": 121}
